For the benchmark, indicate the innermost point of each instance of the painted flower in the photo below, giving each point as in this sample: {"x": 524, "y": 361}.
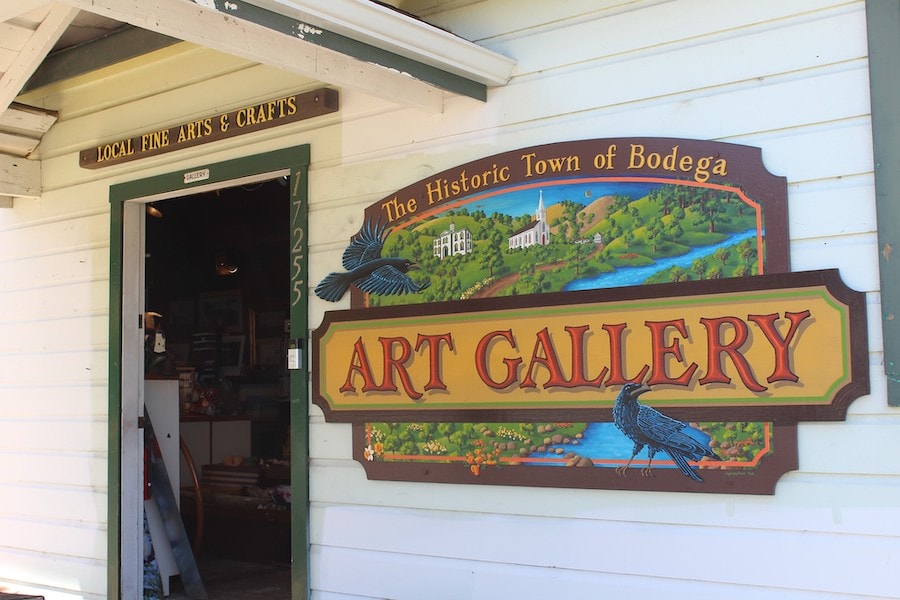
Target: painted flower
{"x": 369, "y": 453}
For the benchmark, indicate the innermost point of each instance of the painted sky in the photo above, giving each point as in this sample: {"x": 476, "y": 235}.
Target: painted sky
{"x": 517, "y": 202}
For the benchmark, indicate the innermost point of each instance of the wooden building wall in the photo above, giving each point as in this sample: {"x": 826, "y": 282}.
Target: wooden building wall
{"x": 789, "y": 77}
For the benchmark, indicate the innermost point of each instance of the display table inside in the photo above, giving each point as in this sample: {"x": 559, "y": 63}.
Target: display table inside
{"x": 245, "y": 513}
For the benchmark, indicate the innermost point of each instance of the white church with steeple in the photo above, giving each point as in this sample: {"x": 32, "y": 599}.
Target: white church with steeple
{"x": 535, "y": 233}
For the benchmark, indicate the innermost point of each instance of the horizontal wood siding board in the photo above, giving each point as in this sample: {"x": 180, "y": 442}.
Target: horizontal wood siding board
{"x": 697, "y": 49}
{"x": 850, "y": 508}
{"x": 490, "y": 23}
{"x": 69, "y": 578}
{"x": 391, "y": 575}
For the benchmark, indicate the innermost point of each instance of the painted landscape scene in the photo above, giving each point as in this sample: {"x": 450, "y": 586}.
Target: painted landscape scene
{"x": 481, "y": 446}
{"x": 556, "y": 236}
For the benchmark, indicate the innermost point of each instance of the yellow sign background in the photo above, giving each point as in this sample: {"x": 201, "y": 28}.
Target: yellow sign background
{"x": 818, "y": 354}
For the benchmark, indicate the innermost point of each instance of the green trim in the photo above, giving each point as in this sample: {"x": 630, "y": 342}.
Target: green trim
{"x": 355, "y": 49}
{"x": 883, "y": 24}
{"x": 120, "y": 45}
{"x": 114, "y": 451}
{"x": 299, "y": 382}
{"x": 297, "y": 160}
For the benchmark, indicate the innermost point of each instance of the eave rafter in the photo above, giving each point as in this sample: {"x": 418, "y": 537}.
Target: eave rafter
{"x": 22, "y": 128}
{"x": 350, "y": 44}
{"x": 288, "y": 40}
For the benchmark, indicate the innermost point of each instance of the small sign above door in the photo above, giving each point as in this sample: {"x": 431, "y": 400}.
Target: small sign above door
{"x": 248, "y": 119}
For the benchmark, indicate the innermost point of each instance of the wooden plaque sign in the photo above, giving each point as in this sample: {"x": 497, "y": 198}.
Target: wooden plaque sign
{"x": 610, "y": 304}
{"x": 773, "y": 347}
{"x": 272, "y": 113}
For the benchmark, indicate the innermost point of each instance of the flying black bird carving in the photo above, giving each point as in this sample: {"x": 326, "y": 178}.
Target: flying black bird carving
{"x": 646, "y": 426}
{"x": 368, "y": 270}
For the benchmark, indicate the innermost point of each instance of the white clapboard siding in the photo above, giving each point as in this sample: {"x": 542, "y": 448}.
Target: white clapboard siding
{"x": 75, "y": 577}
{"x": 488, "y": 23}
{"x": 705, "y": 48}
{"x": 402, "y": 577}
{"x": 610, "y": 546}
{"x": 812, "y": 206}
{"x": 63, "y": 469}
{"x": 826, "y": 503}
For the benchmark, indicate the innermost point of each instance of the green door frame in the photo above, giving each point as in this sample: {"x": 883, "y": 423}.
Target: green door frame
{"x": 295, "y": 160}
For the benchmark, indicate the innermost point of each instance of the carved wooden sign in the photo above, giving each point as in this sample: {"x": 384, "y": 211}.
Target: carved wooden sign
{"x": 775, "y": 346}
{"x": 272, "y": 113}
{"x": 598, "y": 303}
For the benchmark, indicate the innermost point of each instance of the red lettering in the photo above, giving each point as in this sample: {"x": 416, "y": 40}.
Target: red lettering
{"x": 434, "y": 357}
{"x": 782, "y": 370}
{"x": 715, "y": 374}
{"x": 397, "y": 364}
{"x": 359, "y": 364}
{"x": 660, "y": 351}
{"x": 578, "y": 359}
{"x": 481, "y": 362}
{"x": 616, "y": 358}
{"x": 549, "y": 360}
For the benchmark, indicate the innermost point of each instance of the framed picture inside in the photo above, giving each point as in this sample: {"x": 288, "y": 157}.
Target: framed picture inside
{"x": 232, "y": 355}
{"x": 221, "y": 311}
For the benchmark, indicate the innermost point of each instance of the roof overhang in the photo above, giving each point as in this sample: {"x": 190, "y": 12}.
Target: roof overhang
{"x": 351, "y": 44}
{"x": 382, "y": 27}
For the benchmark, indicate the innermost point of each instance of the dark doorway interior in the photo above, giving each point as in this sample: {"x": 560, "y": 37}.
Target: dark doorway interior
{"x": 217, "y": 274}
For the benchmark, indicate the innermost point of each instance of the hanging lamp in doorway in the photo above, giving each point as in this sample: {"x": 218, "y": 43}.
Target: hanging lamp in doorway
{"x": 222, "y": 265}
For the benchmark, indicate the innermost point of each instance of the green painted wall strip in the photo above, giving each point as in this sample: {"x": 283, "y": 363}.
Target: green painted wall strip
{"x": 356, "y": 49}
{"x": 297, "y": 160}
{"x": 883, "y": 23}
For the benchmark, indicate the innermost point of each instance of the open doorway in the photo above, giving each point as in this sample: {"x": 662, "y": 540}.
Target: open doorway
{"x": 129, "y": 342}
{"x": 217, "y": 281}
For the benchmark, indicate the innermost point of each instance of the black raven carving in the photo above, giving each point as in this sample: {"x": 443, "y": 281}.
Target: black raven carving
{"x": 368, "y": 270}
{"x": 646, "y": 426}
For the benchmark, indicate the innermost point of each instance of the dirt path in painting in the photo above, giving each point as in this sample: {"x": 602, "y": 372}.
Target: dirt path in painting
{"x": 491, "y": 290}
{"x": 506, "y": 281}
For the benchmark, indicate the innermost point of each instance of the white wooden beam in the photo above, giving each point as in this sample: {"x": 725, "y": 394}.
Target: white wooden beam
{"x": 37, "y": 48}
{"x": 185, "y": 20}
{"x": 20, "y": 176}
{"x": 9, "y": 9}
{"x": 17, "y": 144}
{"x": 27, "y": 118}
{"x": 383, "y": 27}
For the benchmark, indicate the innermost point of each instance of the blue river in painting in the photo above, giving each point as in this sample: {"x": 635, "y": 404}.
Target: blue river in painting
{"x": 601, "y": 440}
{"x": 637, "y": 275}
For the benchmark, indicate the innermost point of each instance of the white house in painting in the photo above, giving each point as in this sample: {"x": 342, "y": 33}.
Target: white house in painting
{"x": 424, "y": 86}
{"x": 453, "y": 242}
{"x": 536, "y": 233}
